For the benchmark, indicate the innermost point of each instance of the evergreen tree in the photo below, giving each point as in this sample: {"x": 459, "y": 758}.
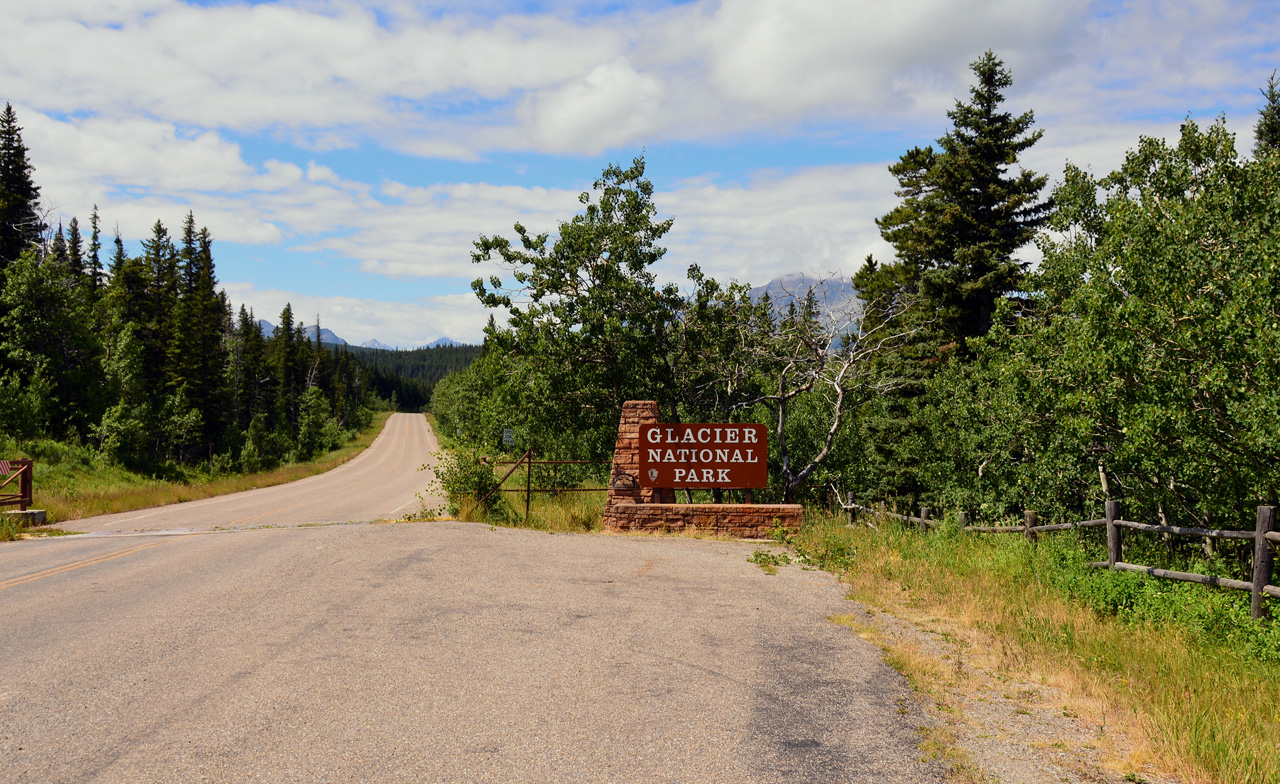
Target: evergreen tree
{"x": 94, "y": 270}
{"x": 58, "y": 247}
{"x": 283, "y": 354}
{"x": 964, "y": 213}
{"x": 1266, "y": 134}
{"x": 75, "y": 250}
{"x": 20, "y": 224}
{"x": 161, "y": 261}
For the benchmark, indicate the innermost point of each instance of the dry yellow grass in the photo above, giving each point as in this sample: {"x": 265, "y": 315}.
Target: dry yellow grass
{"x": 1203, "y": 713}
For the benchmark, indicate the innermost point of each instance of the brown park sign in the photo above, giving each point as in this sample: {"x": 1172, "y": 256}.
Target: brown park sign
{"x": 703, "y": 456}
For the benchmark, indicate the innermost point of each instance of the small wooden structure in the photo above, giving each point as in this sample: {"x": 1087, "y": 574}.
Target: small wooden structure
{"x": 18, "y": 471}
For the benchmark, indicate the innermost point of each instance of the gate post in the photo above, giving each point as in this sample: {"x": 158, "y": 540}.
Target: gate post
{"x": 24, "y": 485}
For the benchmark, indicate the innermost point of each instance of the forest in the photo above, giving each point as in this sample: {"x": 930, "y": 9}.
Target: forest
{"x": 1138, "y": 359}
{"x": 143, "y": 360}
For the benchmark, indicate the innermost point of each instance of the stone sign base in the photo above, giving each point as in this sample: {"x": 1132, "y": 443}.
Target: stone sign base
{"x": 631, "y": 507}
{"x": 748, "y": 521}
{"x": 29, "y": 517}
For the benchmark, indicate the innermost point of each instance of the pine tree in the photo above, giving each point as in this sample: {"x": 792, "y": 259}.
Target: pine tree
{"x": 964, "y": 213}
{"x": 1266, "y": 134}
{"x": 283, "y": 352}
{"x": 161, "y": 260}
{"x": 75, "y": 250}
{"x": 94, "y": 270}
{"x": 58, "y": 248}
{"x": 20, "y": 224}
{"x": 962, "y": 217}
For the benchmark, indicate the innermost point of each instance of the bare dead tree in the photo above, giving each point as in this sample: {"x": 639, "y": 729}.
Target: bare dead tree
{"x": 827, "y": 351}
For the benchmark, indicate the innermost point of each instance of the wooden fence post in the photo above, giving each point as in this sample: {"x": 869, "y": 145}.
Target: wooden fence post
{"x": 1113, "y": 533}
{"x": 852, "y": 511}
{"x": 1028, "y": 522}
{"x": 962, "y": 518}
{"x": 1262, "y": 560}
{"x": 924, "y": 519}
{"x": 24, "y": 485}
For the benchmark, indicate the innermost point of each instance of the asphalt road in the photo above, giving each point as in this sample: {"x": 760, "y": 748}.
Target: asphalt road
{"x": 380, "y": 483}
{"x": 434, "y": 652}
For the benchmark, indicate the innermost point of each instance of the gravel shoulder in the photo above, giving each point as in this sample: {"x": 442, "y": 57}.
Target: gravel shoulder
{"x": 993, "y": 718}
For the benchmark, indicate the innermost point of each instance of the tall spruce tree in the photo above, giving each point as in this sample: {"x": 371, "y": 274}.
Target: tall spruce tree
{"x": 75, "y": 250}
{"x": 20, "y": 223}
{"x": 965, "y": 211}
{"x": 1266, "y": 133}
{"x": 94, "y": 260}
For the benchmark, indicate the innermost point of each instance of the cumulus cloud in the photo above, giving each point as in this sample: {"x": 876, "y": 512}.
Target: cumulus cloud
{"x": 610, "y": 106}
{"x": 467, "y": 79}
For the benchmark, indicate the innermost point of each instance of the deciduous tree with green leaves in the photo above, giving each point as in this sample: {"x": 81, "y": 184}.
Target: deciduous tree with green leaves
{"x": 1149, "y": 347}
{"x": 586, "y": 308}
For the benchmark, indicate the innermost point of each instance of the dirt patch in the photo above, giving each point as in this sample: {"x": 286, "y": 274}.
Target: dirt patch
{"x": 996, "y": 719}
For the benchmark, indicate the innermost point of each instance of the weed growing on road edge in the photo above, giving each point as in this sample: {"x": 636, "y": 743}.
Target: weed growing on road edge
{"x": 769, "y": 561}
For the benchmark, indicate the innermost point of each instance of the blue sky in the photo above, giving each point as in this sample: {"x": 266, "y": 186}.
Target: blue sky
{"x": 345, "y": 155}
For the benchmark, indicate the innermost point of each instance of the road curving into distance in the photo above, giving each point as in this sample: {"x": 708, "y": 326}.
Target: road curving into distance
{"x": 233, "y": 642}
{"x": 382, "y": 482}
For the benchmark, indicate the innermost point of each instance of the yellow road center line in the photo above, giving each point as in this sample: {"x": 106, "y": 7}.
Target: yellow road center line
{"x": 14, "y": 581}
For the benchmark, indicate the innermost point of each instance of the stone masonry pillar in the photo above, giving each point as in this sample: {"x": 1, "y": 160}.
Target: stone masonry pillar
{"x": 624, "y": 479}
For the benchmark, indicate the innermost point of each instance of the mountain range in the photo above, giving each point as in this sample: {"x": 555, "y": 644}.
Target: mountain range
{"x": 830, "y": 291}
{"x": 328, "y": 337}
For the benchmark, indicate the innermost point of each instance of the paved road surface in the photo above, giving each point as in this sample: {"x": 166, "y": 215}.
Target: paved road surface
{"x": 379, "y": 483}
{"x": 434, "y": 652}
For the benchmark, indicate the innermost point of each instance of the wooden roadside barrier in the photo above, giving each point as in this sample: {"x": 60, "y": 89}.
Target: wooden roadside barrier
{"x": 1264, "y": 536}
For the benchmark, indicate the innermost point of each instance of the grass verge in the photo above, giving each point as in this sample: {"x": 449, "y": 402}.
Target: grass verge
{"x": 553, "y": 512}
{"x": 1206, "y": 703}
{"x": 75, "y": 488}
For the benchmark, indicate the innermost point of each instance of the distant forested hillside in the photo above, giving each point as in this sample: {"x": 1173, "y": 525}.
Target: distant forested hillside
{"x": 425, "y": 364}
{"x": 407, "y": 378}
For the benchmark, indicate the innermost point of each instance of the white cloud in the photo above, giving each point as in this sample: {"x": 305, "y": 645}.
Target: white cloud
{"x": 400, "y": 324}
{"x": 841, "y": 58}
{"x": 610, "y": 106}
{"x": 465, "y": 79}
{"x": 819, "y": 219}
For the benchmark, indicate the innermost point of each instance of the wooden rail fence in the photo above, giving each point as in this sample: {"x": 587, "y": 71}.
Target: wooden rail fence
{"x": 20, "y": 471}
{"x": 1264, "y": 536}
